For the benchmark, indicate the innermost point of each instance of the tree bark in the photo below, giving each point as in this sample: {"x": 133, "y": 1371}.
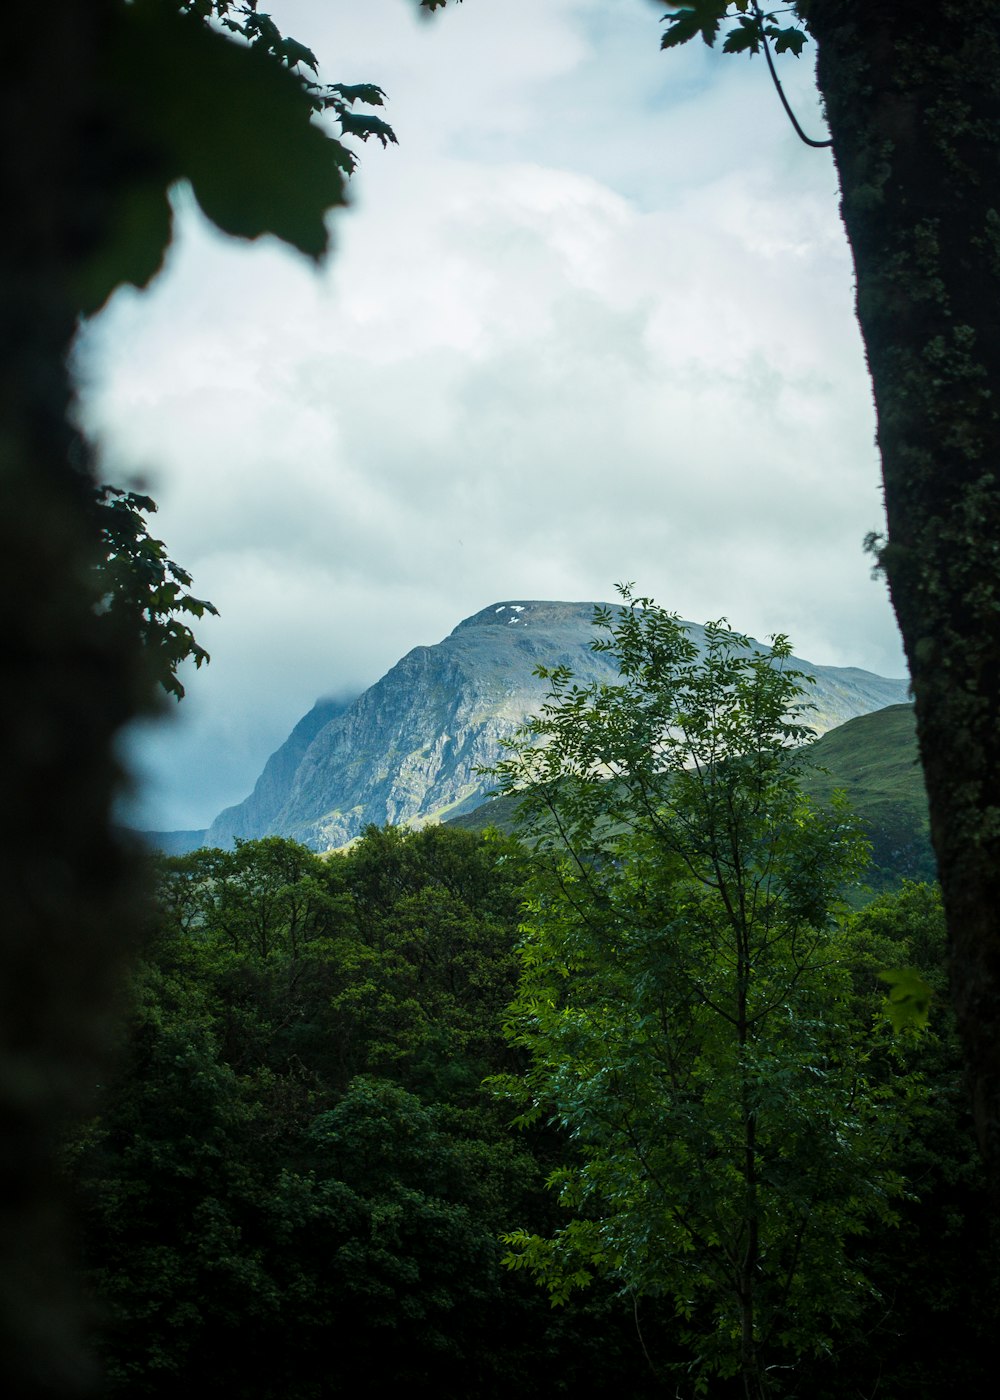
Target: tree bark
{"x": 912, "y": 97}
{"x": 69, "y": 684}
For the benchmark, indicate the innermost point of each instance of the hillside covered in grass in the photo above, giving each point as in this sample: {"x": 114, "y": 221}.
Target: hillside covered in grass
{"x": 873, "y": 759}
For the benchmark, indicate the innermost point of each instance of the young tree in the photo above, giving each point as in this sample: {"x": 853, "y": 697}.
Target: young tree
{"x": 684, "y": 1003}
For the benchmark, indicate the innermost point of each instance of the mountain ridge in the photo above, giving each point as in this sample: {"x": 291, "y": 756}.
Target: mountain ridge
{"x": 407, "y": 749}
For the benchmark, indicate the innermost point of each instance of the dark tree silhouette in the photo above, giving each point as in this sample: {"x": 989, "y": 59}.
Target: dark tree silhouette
{"x": 102, "y": 107}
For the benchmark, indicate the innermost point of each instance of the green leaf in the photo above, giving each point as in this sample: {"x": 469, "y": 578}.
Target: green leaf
{"x": 368, "y": 93}
{"x": 293, "y": 52}
{"x": 695, "y": 17}
{"x": 229, "y": 118}
{"x": 787, "y": 39}
{"x": 132, "y": 249}
{"x": 745, "y": 37}
{"x": 139, "y": 587}
{"x": 363, "y": 126}
{"x": 683, "y": 27}
{"x": 909, "y": 999}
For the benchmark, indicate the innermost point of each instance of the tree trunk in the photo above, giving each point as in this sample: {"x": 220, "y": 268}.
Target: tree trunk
{"x": 913, "y": 101}
{"x": 68, "y": 686}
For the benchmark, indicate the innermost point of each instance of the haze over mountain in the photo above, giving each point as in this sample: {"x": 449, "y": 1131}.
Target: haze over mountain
{"x": 407, "y": 750}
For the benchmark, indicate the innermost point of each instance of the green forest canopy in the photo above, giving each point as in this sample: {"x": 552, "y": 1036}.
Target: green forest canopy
{"x": 296, "y": 1180}
{"x": 310, "y": 1131}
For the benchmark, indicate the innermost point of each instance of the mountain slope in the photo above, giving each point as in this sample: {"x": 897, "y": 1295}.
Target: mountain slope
{"x": 873, "y": 759}
{"x": 256, "y": 815}
{"x": 408, "y": 749}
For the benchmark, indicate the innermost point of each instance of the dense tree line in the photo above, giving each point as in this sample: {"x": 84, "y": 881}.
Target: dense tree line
{"x": 642, "y": 1054}
{"x": 296, "y": 1182}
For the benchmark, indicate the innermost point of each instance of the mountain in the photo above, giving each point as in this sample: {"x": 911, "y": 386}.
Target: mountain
{"x": 258, "y": 814}
{"x": 407, "y": 750}
{"x": 874, "y": 760}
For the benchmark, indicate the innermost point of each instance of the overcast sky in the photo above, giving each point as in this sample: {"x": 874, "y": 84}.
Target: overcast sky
{"x": 591, "y": 320}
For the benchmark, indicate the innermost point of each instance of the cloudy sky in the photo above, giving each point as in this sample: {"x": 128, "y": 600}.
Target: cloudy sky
{"x": 591, "y": 320}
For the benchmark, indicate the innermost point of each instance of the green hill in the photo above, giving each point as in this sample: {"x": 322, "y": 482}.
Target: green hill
{"x": 873, "y": 758}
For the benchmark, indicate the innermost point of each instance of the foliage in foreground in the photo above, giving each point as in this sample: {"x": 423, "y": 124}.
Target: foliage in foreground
{"x": 686, "y": 1000}
{"x": 141, "y": 591}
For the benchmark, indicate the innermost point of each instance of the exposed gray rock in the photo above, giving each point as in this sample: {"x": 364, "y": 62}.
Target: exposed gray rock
{"x": 408, "y": 749}
{"x": 255, "y": 815}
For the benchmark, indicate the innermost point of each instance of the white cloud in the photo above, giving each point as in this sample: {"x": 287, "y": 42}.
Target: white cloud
{"x": 591, "y": 321}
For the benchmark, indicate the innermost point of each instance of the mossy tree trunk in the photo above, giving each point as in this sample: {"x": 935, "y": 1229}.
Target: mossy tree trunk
{"x": 913, "y": 100}
{"x": 69, "y": 684}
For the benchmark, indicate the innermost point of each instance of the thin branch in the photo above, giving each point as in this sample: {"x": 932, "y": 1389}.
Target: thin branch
{"x": 780, "y": 90}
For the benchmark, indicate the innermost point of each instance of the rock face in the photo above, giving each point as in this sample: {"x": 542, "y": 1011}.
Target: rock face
{"x": 258, "y": 814}
{"x": 408, "y": 749}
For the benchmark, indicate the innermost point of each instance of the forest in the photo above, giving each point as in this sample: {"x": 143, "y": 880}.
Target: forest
{"x": 616, "y": 1103}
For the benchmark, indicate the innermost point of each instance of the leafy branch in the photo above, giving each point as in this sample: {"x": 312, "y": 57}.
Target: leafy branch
{"x": 139, "y": 587}
{"x": 750, "y": 31}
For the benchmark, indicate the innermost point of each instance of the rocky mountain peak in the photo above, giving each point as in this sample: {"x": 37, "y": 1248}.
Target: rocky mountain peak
{"x": 411, "y": 747}
{"x": 527, "y": 612}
